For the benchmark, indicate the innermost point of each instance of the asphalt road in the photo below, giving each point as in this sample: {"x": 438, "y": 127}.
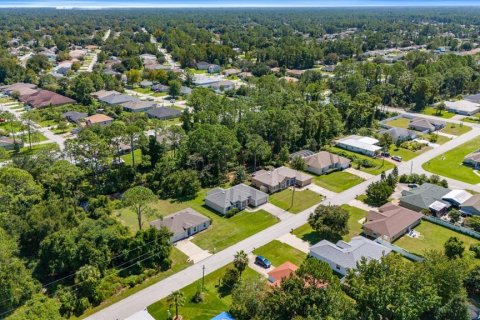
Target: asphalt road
{"x": 162, "y": 289}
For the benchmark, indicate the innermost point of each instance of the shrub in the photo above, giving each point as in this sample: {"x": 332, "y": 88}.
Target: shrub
{"x": 230, "y": 213}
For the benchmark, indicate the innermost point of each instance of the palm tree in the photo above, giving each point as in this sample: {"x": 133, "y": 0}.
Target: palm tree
{"x": 240, "y": 261}
{"x": 178, "y": 299}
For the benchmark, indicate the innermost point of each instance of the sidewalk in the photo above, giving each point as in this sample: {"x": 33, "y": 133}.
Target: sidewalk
{"x": 295, "y": 242}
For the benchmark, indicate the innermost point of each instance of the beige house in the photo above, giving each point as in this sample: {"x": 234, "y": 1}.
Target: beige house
{"x": 279, "y": 179}
{"x": 323, "y": 161}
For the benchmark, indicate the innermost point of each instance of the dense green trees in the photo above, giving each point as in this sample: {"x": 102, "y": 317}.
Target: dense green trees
{"x": 331, "y": 221}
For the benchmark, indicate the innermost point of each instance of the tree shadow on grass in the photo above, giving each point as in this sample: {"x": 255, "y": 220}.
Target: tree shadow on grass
{"x": 314, "y": 237}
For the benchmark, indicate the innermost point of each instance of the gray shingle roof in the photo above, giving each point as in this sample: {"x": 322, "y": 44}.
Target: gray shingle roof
{"x": 75, "y": 116}
{"x": 117, "y": 99}
{"x": 424, "y": 196}
{"x": 241, "y": 192}
{"x": 164, "y": 113}
{"x": 180, "y": 221}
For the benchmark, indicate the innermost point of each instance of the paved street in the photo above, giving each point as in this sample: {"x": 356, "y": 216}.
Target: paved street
{"x": 162, "y": 289}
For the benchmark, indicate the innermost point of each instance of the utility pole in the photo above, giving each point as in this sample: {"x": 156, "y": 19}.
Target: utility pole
{"x": 411, "y": 168}
{"x": 203, "y": 278}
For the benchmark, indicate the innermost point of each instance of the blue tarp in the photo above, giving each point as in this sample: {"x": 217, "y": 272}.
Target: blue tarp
{"x": 223, "y": 316}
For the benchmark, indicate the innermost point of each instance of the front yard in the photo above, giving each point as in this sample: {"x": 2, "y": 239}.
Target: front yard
{"x": 432, "y": 237}
{"x": 306, "y": 232}
{"x": 216, "y": 299}
{"x": 223, "y": 232}
{"x": 399, "y": 123}
{"x": 433, "y": 112}
{"x": 455, "y": 129}
{"x": 450, "y": 164}
{"x": 301, "y": 200}
{"x": 405, "y": 153}
{"x": 377, "y": 165}
{"x": 337, "y": 181}
{"x": 278, "y": 252}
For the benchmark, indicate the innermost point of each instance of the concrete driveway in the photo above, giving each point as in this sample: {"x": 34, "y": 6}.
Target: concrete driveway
{"x": 358, "y": 173}
{"x": 274, "y": 211}
{"x": 194, "y": 252}
{"x": 295, "y": 242}
{"x": 251, "y": 263}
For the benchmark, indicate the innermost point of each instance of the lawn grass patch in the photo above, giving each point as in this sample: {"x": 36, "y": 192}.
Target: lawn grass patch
{"x": 179, "y": 262}
{"x": 337, "y": 181}
{"x": 405, "y": 153}
{"x": 455, "y": 129}
{"x": 379, "y": 164}
{"x": 129, "y": 159}
{"x": 450, "y": 163}
{"x": 433, "y": 112}
{"x": 307, "y": 233}
{"x": 215, "y": 302}
{"x": 432, "y": 237}
{"x": 25, "y": 151}
{"x": 301, "y": 200}
{"x": 399, "y": 123}
{"x": 278, "y": 252}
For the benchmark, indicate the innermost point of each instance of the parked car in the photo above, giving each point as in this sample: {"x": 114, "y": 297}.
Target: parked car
{"x": 262, "y": 262}
{"x": 385, "y": 154}
{"x": 397, "y": 158}
{"x": 412, "y": 186}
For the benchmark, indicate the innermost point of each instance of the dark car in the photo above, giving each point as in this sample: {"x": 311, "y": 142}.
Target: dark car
{"x": 262, "y": 262}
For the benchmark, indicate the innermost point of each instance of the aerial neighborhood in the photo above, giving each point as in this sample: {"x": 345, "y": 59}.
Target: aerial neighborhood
{"x": 240, "y": 164}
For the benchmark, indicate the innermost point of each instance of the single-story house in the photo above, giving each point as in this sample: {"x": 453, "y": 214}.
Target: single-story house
{"x": 471, "y": 207}
{"x": 183, "y": 224}
{"x": 329, "y": 68}
{"x": 463, "y": 107}
{"x": 475, "y": 98}
{"x": 231, "y": 72}
{"x": 279, "y": 179}
{"x": 425, "y": 125}
{"x": 472, "y": 159}
{"x": 202, "y": 65}
{"x": 98, "y": 119}
{"x": 323, "y": 161}
{"x": 295, "y": 73}
{"x": 103, "y": 93}
{"x": 146, "y": 84}
{"x": 138, "y": 106}
{"x": 219, "y": 86}
{"x": 163, "y": 113}
{"x": 457, "y": 197}
{"x": 9, "y": 144}
{"x": 213, "y": 68}
{"x": 117, "y": 99}
{"x": 19, "y": 88}
{"x": 74, "y": 116}
{"x": 427, "y": 196}
{"x": 45, "y": 98}
{"x": 344, "y": 256}
{"x": 399, "y": 134}
{"x": 390, "y": 222}
{"x": 148, "y": 56}
{"x": 239, "y": 197}
{"x": 281, "y": 272}
{"x": 363, "y": 145}
{"x": 160, "y": 88}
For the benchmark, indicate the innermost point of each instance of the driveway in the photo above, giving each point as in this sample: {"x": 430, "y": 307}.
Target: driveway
{"x": 141, "y": 315}
{"x": 274, "y": 211}
{"x": 361, "y": 205}
{"x": 361, "y": 174}
{"x": 251, "y": 263}
{"x": 322, "y": 191}
{"x": 190, "y": 249}
{"x": 295, "y": 242}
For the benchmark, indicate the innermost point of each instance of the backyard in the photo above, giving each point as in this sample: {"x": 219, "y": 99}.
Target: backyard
{"x": 455, "y": 129}
{"x": 216, "y": 299}
{"x": 337, "y": 181}
{"x": 450, "y": 164}
{"x": 301, "y": 200}
{"x": 377, "y": 164}
{"x": 432, "y": 237}
{"x": 399, "y": 123}
{"x": 306, "y": 232}
{"x": 278, "y": 252}
{"x": 222, "y": 233}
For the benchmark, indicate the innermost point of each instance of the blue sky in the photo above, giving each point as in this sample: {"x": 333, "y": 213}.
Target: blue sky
{"x": 231, "y": 3}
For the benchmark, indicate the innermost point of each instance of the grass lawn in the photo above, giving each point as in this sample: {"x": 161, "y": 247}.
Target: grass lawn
{"x": 306, "y": 232}
{"x": 13, "y": 126}
{"x": 405, "y": 153}
{"x": 450, "y": 164}
{"x": 216, "y": 299}
{"x": 399, "y": 123}
{"x": 379, "y": 165}
{"x": 278, "y": 253}
{"x": 35, "y": 136}
{"x": 455, "y": 129}
{"x": 432, "y": 237}
{"x": 143, "y": 90}
{"x": 433, "y": 112}
{"x": 301, "y": 200}
{"x": 337, "y": 181}
{"x": 128, "y": 157}
{"x": 39, "y": 147}
{"x": 442, "y": 139}
{"x": 221, "y": 234}
{"x": 179, "y": 262}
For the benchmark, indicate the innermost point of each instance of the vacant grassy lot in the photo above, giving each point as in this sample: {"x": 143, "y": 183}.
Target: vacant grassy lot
{"x": 179, "y": 262}
{"x": 405, "y": 153}
{"x": 379, "y": 165}
{"x": 217, "y": 299}
{"x": 306, "y": 232}
{"x": 278, "y": 253}
{"x": 221, "y": 234}
{"x": 337, "y": 181}
{"x": 450, "y": 164}
{"x": 455, "y": 129}
{"x": 301, "y": 200}
{"x": 432, "y": 237}
{"x": 399, "y": 123}
{"x": 433, "y": 112}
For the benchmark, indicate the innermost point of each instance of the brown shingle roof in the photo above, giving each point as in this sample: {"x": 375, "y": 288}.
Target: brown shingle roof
{"x": 45, "y": 98}
{"x": 97, "y": 118}
{"x": 324, "y": 159}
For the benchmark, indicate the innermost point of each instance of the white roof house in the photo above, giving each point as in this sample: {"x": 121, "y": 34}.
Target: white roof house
{"x": 457, "y": 197}
{"x": 464, "y": 107}
{"x": 359, "y": 144}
